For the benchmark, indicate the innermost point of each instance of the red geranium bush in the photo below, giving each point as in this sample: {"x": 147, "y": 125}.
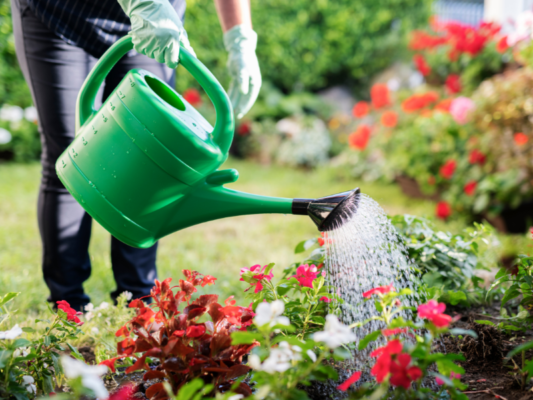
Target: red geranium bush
{"x": 174, "y": 330}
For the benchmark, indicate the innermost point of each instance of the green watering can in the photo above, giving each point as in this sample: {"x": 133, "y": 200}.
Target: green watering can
{"x": 145, "y": 164}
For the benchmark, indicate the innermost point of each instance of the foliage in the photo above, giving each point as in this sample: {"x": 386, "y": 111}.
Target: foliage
{"x": 403, "y": 362}
{"x": 524, "y": 372}
{"x": 25, "y": 144}
{"x": 186, "y": 348}
{"x": 307, "y": 46}
{"x": 518, "y": 284}
{"x": 448, "y": 262}
{"x": 30, "y": 367}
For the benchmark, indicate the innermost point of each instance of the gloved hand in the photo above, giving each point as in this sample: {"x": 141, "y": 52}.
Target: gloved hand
{"x": 240, "y": 41}
{"x": 156, "y": 30}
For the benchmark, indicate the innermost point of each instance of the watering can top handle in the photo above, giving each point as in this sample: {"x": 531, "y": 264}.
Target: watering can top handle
{"x": 224, "y": 126}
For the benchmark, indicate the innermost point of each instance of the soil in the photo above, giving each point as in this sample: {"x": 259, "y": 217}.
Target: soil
{"x": 487, "y": 373}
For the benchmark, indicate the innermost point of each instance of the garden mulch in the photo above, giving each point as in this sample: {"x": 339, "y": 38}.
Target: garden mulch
{"x": 487, "y": 373}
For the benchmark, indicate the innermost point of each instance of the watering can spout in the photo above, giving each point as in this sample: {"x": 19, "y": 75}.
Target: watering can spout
{"x": 329, "y": 212}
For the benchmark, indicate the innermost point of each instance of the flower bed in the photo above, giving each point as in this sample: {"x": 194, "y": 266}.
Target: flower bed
{"x": 185, "y": 344}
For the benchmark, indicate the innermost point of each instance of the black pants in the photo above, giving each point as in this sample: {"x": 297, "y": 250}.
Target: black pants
{"x": 55, "y": 72}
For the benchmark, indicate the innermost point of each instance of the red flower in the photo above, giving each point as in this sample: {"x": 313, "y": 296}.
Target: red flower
{"x": 476, "y": 157}
{"x": 444, "y": 105}
{"x": 379, "y": 94}
{"x": 194, "y": 331}
{"x": 382, "y": 367}
{"x": 433, "y": 312}
{"x": 208, "y": 280}
{"x": 422, "y": 41}
{"x": 192, "y": 96}
{"x": 350, "y": 381}
{"x": 305, "y": 275}
{"x": 393, "y": 331}
{"x": 419, "y": 101}
{"x": 401, "y": 373}
{"x": 110, "y": 363}
{"x": 421, "y": 64}
{"x": 244, "y": 128}
{"x": 453, "y": 83}
{"x": 381, "y": 289}
{"x": 258, "y": 276}
{"x": 444, "y": 210}
{"x": 520, "y": 138}
{"x": 325, "y": 299}
{"x": 361, "y": 109}
{"x": 389, "y": 119}
{"x": 447, "y": 170}
{"x": 502, "y": 45}
{"x": 124, "y": 393}
{"x": 470, "y": 188}
{"x": 359, "y": 139}
{"x": 71, "y": 313}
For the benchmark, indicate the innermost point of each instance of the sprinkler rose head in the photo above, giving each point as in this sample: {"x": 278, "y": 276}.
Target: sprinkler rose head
{"x": 329, "y": 212}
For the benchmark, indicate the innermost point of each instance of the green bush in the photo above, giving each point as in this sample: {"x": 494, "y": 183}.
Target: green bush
{"x": 311, "y": 44}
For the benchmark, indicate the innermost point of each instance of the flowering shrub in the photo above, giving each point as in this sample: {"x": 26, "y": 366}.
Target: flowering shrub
{"x": 31, "y": 367}
{"x": 186, "y": 348}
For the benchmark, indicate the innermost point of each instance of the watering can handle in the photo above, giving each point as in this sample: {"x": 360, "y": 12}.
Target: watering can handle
{"x": 224, "y": 126}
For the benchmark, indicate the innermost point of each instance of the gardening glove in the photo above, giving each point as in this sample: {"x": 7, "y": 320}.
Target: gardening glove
{"x": 240, "y": 42}
{"x": 156, "y": 30}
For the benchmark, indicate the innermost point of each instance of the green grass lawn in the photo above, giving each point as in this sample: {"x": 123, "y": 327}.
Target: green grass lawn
{"x": 220, "y": 248}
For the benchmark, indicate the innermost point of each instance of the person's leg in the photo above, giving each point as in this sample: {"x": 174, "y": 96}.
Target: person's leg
{"x": 55, "y": 72}
{"x": 134, "y": 269}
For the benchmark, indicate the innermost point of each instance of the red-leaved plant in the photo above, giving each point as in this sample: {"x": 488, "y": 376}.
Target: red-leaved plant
{"x": 186, "y": 348}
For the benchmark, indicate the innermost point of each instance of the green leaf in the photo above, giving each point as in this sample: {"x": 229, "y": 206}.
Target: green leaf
{"x": 75, "y": 352}
{"x": 188, "y": 390}
{"x": 509, "y": 295}
{"x": 8, "y": 297}
{"x": 304, "y": 245}
{"x": 269, "y": 268}
{"x": 4, "y": 357}
{"x": 283, "y": 289}
{"x": 501, "y": 272}
{"x": 342, "y": 353}
{"x": 455, "y": 297}
{"x": 20, "y": 342}
{"x": 459, "y": 331}
{"x": 245, "y": 337}
{"x": 484, "y": 322}
{"x": 523, "y": 347}
{"x": 529, "y": 368}
{"x": 27, "y": 329}
{"x": 369, "y": 338}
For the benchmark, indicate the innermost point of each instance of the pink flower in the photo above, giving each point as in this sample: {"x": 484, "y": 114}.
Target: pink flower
{"x": 433, "y": 312}
{"x": 305, "y": 275}
{"x": 393, "y": 331}
{"x": 381, "y": 289}
{"x": 453, "y": 375}
{"x": 460, "y": 108}
{"x": 325, "y": 299}
{"x": 254, "y": 275}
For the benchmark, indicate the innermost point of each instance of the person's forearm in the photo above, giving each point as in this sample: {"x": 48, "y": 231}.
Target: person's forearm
{"x": 233, "y": 12}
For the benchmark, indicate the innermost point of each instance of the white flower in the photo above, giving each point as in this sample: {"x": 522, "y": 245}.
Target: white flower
{"x": 89, "y": 307}
{"x": 128, "y": 295}
{"x": 90, "y": 375}
{"x": 279, "y": 359}
{"x": 12, "y": 333}
{"x": 89, "y": 315}
{"x": 311, "y": 355}
{"x": 236, "y": 397}
{"x": 5, "y": 136}
{"x": 21, "y": 352}
{"x": 30, "y": 114}
{"x": 271, "y": 313}
{"x": 11, "y": 113}
{"x": 103, "y": 305}
{"x": 335, "y": 333}
{"x": 95, "y": 330}
{"x": 29, "y": 384}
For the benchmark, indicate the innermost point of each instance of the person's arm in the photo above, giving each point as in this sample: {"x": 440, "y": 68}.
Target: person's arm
{"x": 240, "y": 41}
{"x": 233, "y": 12}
